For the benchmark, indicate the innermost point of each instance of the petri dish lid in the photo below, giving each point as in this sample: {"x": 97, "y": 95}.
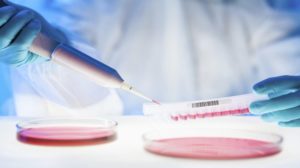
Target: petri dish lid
{"x": 212, "y": 143}
{"x": 66, "y": 131}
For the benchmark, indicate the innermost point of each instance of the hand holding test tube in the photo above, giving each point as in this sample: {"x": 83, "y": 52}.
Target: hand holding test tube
{"x": 283, "y": 106}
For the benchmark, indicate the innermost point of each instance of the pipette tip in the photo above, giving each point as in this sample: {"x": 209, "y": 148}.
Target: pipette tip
{"x": 130, "y": 89}
{"x": 156, "y": 102}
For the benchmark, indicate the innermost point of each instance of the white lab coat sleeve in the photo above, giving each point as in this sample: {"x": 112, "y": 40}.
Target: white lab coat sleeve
{"x": 275, "y": 44}
{"x": 64, "y": 91}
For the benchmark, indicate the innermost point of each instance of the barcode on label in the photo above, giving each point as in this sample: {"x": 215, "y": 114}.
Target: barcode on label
{"x": 204, "y": 104}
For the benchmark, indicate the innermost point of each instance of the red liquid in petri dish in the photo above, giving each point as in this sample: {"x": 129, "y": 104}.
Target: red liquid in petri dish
{"x": 212, "y": 148}
{"x": 65, "y": 136}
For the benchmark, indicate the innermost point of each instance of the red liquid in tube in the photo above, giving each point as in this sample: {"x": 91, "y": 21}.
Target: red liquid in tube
{"x": 209, "y": 114}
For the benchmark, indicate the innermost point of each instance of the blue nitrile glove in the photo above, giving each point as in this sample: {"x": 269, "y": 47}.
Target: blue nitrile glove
{"x": 284, "y": 103}
{"x": 18, "y": 29}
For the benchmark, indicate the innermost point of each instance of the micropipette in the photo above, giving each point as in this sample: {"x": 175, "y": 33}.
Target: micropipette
{"x": 74, "y": 59}
{"x": 82, "y": 63}
{"x": 235, "y": 105}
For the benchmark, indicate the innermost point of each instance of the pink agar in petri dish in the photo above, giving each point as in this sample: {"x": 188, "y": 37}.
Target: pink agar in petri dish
{"x": 214, "y": 147}
{"x": 59, "y": 132}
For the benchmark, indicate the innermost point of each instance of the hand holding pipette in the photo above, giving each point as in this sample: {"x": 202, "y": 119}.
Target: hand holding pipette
{"x": 23, "y": 42}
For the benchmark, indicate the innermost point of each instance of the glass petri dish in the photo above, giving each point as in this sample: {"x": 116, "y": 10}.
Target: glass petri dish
{"x": 66, "y": 131}
{"x": 217, "y": 144}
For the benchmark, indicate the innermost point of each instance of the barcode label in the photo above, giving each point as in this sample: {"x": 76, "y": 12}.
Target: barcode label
{"x": 204, "y": 104}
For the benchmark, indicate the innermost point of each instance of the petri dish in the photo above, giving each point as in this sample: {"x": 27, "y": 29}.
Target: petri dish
{"x": 215, "y": 144}
{"x": 66, "y": 131}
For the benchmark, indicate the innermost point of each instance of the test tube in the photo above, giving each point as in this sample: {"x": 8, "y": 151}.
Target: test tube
{"x": 235, "y": 105}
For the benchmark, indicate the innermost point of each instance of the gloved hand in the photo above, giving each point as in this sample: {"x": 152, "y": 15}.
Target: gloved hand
{"x": 18, "y": 28}
{"x": 17, "y": 32}
{"x": 284, "y": 103}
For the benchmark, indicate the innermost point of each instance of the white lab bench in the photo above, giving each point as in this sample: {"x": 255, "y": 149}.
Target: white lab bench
{"x": 127, "y": 150}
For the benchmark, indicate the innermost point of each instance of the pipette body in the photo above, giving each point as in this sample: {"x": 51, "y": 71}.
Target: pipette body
{"x": 72, "y": 58}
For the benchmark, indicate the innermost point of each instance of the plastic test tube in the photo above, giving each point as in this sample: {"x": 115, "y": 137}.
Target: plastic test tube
{"x": 235, "y": 105}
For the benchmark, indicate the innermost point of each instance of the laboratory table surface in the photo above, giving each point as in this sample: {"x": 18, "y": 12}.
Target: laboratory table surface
{"x": 127, "y": 150}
